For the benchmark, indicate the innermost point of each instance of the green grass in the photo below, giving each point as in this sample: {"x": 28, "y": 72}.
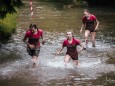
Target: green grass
{"x": 7, "y": 26}
{"x": 9, "y": 23}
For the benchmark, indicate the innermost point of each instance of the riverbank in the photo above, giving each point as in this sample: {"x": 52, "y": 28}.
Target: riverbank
{"x": 7, "y": 27}
{"x": 51, "y": 71}
{"x": 68, "y": 3}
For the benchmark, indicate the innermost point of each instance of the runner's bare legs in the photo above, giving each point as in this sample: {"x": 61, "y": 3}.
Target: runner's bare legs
{"x": 87, "y": 32}
{"x": 93, "y": 34}
{"x": 76, "y": 62}
{"x": 67, "y": 57}
{"x": 34, "y": 60}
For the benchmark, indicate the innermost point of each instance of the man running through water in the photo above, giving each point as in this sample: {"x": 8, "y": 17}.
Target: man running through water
{"x": 90, "y": 23}
{"x": 71, "y": 44}
{"x": 33, "y": 44}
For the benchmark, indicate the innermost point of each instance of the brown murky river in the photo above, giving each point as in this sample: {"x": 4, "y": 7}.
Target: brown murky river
{"x": 55, "y": 21}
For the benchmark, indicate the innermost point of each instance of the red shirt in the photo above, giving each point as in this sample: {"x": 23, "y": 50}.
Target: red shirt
{"x": 71, "y": 48}
{"x": 34, "y": 38}
{"x": 90, "y": 23}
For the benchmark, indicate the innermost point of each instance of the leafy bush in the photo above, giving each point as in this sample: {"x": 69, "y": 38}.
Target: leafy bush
{"x": 7, "y": 26}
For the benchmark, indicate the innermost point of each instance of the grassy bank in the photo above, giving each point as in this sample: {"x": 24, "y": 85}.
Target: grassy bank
{"x": 7, "y": 26}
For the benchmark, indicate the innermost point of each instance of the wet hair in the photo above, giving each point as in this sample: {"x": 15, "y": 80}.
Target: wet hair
{"x": 71, "y": 33}
{"x": 33, "y": 25}
{"x": 86, "y": 10}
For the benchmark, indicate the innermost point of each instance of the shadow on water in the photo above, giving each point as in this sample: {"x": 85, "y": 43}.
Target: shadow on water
{"x": 107, "y": 79}
{"x": 111, "y": 59}
{"x": 5, "y": 57}
{"x": 50, "y": 70}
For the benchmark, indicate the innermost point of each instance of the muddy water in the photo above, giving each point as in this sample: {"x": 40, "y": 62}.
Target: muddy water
{"x": 51, "y": 70}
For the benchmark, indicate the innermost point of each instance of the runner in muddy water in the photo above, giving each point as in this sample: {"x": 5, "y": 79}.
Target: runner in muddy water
{"x": 32, "y": 38}
{"x": 71, "y": 44}
{"x": 90, "y": 23}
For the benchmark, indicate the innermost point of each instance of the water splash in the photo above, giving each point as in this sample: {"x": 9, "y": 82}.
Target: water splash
{"x": 59, "y": 63}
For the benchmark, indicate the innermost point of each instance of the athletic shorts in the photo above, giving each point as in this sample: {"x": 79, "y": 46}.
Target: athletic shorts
{"x": 74, "y": 55}
{"x": 91, "y": 30}
{"x": 74, "y": 58}
{"x": 33, "y": 52}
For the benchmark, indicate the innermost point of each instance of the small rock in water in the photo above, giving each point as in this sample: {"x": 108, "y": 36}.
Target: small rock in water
{"x": 71, "y": 76}
{"x": 77, "y": 79}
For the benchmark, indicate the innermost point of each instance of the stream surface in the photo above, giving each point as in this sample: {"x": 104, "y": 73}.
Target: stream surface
{"x": 50, "y": 70}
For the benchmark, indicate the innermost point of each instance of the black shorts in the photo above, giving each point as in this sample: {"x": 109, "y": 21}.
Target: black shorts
{"x": 91, "y": 29}
{"x": 73, "y": 55}
{"x": 74, "y": 58}
{"x": 33, "y": 52}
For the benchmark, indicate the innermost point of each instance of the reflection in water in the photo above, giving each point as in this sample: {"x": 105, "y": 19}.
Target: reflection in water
{"x": 50, "y": 68}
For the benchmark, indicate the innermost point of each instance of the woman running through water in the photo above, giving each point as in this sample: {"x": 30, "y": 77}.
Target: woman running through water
{"x": 90, "y": 23}
{"x": 33, "y": 44}
{"x": 71, "y": 44}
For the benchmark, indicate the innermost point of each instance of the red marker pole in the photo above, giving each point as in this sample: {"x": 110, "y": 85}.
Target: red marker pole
{"x": 31, "y": 9}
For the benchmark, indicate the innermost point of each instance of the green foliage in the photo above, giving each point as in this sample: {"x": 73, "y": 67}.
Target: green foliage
{"x": 7, "y": 17}
{"x": 7, "y": 26}
{"x": 9, "y": 22}
{"x": 8, "y": 6}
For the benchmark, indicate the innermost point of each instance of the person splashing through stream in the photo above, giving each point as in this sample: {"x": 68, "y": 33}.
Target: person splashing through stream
{"x": 90, "y": 23}
{"x": 71, "y": 44}
{"x": 32, "y": 38}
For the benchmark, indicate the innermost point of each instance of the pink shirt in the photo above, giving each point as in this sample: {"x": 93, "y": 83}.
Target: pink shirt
{"x": 34, "y": 38}
{"x": 90, "y": 23}
{"x": 71, "y": 47}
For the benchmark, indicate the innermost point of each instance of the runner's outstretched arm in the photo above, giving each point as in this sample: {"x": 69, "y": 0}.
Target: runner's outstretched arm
{"x": 43, "y": 40}
{"x": 82, "y": 47}
{"x": 97, "y": 25}
{"x": 25, "y": 40}
{"x": 60, "y": 50}
{"x": 82, "y": 26}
